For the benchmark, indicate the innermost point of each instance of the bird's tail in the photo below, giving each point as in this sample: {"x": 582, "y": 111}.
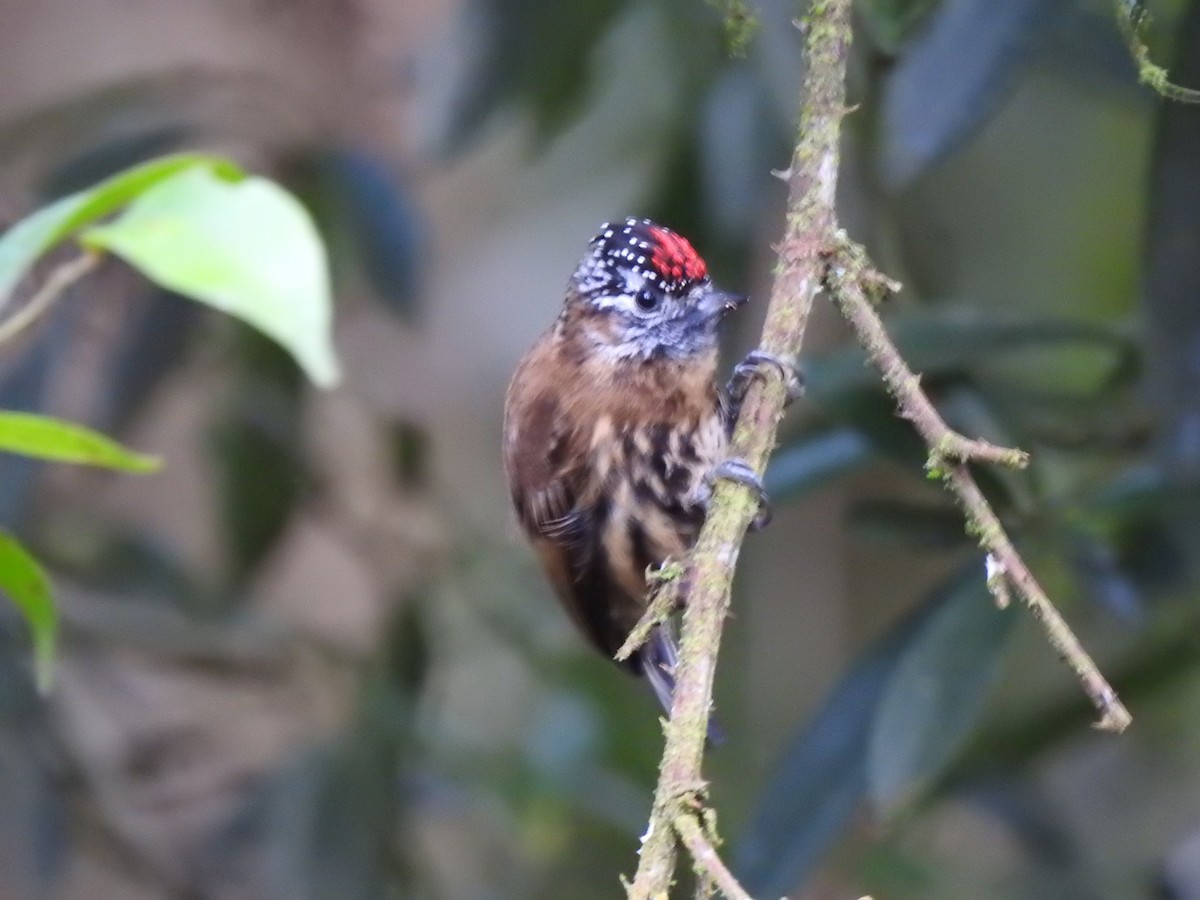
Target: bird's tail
{"x": 658, "y": 657}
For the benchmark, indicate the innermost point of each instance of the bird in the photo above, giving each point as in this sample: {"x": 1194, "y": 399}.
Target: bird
{"x": 615, "y": 428}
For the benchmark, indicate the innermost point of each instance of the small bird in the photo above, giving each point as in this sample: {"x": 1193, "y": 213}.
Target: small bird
{"x": 615, "y": 427}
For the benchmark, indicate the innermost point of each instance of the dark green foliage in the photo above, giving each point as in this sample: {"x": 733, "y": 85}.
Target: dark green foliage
{"x": 536, "y": 53}
{"x": 369, "y": 220}
{"x": 255, "y": 448}
{"x": 953, "y": 77}
{"x": 1099, "y": 386}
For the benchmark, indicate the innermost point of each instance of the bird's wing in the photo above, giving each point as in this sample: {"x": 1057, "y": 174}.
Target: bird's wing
{"x": 562, "y": 509}
{"x": 545, "y": 474}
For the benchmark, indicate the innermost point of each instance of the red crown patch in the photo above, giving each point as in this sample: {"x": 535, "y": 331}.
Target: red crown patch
{"x": 674, "y": 258}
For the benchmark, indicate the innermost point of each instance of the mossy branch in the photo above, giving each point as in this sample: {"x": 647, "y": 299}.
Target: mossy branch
{"x": 1134, "y": 19}
{"x": 810, "y": 229}
{"x": 949, "y": 454}
{"x": 813, "y": 255}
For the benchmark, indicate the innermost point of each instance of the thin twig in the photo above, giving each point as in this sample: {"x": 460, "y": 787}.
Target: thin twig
{"x": 56, "y": 284}
{"x": 708, "y": 861}
{"x": 665, "y": 585}
{"x": 811, "y": 221}
{"x": 949, "y": 454}
{"x": 1133, "y": 18}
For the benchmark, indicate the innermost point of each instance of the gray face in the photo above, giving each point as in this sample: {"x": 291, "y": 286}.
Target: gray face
{"x": 652, "y": 293}
{"x": 649, "y": 323}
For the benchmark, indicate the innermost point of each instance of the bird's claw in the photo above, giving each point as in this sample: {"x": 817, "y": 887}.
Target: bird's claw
{"x": 737, "y": 469}
{"x": 745, "y": 372}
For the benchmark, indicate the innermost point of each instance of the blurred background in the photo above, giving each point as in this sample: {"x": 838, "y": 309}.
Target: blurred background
{"x": 312, "y": 658}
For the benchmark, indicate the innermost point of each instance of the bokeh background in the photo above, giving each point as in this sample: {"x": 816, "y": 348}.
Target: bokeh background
{"x": 311, "y": 658}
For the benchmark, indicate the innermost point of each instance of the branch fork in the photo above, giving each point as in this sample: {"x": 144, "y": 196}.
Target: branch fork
{"x": 949, "y": 457}
{"x": 665, "y": 588}
{"x": 813, "y": 255}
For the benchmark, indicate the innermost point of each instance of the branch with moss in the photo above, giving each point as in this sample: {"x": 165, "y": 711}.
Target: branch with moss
{"x": 810, "y": 228}
{"x": 701, "y": 843}
{"x": 814, "y": 255}
{"x": 949, "y": 456}
{"x": 1133, "y": 18}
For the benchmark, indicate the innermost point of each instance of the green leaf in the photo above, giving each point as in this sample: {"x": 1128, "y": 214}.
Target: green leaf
{"x": 30, "y": 238}
{"x": 248, "y": 249}
{"x": 935, "y": 695}
{"x": 23, "y": 580}
{"x": 48, "y": 438}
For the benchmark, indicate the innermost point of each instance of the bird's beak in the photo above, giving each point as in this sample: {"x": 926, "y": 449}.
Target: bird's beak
{"x": 717, "y": 302}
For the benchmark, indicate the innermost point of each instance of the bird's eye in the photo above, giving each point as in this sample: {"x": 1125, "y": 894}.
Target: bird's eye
{"x": 646, "y": 300}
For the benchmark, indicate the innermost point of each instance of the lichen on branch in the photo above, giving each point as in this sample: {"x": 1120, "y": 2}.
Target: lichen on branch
{"x": 1134, "y": 20}
{"x": 810, "y": 226}
{"x": 814, "y": 255}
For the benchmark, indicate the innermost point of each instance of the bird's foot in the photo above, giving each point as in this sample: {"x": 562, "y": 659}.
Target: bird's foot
{"x": 752, "y": 366}
{"x": 737, "y": 469}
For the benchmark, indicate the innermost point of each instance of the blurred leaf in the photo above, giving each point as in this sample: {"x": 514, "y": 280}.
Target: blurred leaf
{"x": 1034, "y": 817}
{"x": 329, "y": 818}
{"x": 890, "y": 869}
{"x": 1136, "y": 490}
{"x": 23, "y": 387}
{"x": 26, "y": 241}
{"x": 872, "y": 413}
{"x": 536, "y": 52}
{"x": 737, "y": 144}
{"x": 148, "y": 348}
{"x": 410, "y": 451}
{"x": 26, "y": 585}
{"x": 889, "y": 23}
{"x": 45, "y": 437}
{"x": 816, "y": 460}
{"x": 951, "y": 79}
{"x": 1172, "y": 265}
{"x": 1164, "y": 654}
{"x": 256, "y": 449}
{"x": 909, "y": 524}
{"x": 822, "y": 777}
{"x": 260, "y": 482}
{"x": 1153, "y": 552}
{"x": 360, "y": 203}
{"x": 34, "y": 822}
{"x": 246, "y": 248}
{"x": 955, "y": 338}
{"x": 934, "y": 696}
{"x": 118, "y": 560}
{"x": 1088, "y": 49}
{"x": 408, "y": 652}
{"x": 1115, "y": 421}
{"x": 1097, "y": 564}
